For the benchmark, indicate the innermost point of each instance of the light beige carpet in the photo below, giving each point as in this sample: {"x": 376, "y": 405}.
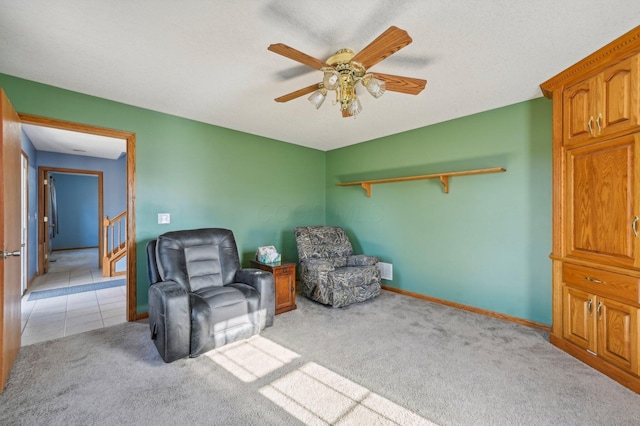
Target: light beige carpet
{"x": 391, "y": 360}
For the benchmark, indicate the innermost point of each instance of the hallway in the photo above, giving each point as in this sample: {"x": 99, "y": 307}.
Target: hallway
{"x": 51, "y": 314}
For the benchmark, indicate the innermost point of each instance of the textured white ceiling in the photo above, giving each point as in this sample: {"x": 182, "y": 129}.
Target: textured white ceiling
{"x": 75, "y": 143}
{"x": 208, "y": 60}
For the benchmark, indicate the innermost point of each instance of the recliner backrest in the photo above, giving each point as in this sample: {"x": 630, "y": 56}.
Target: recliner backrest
{"x": 323, "y": 242}
{"x": 198, "y": 258}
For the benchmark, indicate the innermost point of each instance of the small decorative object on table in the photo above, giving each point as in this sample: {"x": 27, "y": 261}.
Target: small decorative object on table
{"x": 267, "y": 254}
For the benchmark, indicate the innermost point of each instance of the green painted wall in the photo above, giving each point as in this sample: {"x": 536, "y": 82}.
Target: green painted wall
{"x": 203, "y": 175}
{"x": 486, "y": 243}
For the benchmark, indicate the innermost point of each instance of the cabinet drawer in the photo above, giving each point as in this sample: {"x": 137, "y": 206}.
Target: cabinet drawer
{"x": 283, "y": 270}
{"x": 601, "y": 282}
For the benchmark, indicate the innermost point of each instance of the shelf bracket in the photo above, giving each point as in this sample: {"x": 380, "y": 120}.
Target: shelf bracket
{"x": 445, "y": 183}
{"x": 367, "y": 188}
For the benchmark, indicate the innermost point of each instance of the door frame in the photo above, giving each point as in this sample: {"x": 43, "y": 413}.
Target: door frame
{"x": 44, "y": 172}
{"x": 130, "y": 137}
{"x": 24, "y": 218}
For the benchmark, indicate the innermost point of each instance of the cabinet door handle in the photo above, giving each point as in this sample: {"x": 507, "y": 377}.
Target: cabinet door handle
{"x": 589, "y": 306}
{"x": 598, "y": 309}
{"x": 634, "y": 226}
{"x": 598, "y": 123}
{"x": 595, "y": 280}
{"x": 590, "y": 126}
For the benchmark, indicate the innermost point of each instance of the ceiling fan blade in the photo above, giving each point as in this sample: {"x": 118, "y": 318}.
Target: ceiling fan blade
{"x": 298, "y": 93}
{"x": 296, "y": 55}
{"x": 387, "y": 43}
{"x": 396, "y": 83}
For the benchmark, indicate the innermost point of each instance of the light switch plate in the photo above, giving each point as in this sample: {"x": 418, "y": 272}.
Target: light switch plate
{"x": 164, "y": 218}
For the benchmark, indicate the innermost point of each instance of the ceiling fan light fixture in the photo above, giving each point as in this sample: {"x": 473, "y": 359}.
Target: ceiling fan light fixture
{"x": 354, "y": 107}
{"x": 374, "y": 86}
{"x": 331, "y": 78}
{"x": 343, "y": 70}
{"x": 317, "y": 98}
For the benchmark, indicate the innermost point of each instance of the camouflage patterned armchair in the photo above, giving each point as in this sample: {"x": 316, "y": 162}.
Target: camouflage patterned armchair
{"x": 329, "y": 271}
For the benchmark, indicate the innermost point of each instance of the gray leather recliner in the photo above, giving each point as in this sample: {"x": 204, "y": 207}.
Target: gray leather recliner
{"x": 200, "y": 298}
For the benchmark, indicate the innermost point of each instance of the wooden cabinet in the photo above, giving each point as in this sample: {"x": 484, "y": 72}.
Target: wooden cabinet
{"x": 604, "y": 104}
{"x": 596, "y": 208}
{"x": 604, "y": 328}
{"x": 602, "y": 201}
{"x": 284, "y": 277}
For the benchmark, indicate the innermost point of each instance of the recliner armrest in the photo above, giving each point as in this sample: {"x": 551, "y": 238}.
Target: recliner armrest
{"x": 263, "y": 282}
{"x": 318, "y": 265}
{"x": 362, "y": 260}
{"x": 170, "y": 319}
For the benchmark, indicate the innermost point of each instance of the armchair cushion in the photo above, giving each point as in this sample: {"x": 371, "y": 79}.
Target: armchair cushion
{"x": 197, "y": 258}
{"x": 323, "y": 242}
{"x": 355, "y": 276}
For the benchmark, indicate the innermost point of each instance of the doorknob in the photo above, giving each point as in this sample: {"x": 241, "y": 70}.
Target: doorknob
{"x": 9, "y": 253}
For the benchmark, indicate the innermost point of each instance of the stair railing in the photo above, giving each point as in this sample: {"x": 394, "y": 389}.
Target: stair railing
{"x": 115, "y": 242}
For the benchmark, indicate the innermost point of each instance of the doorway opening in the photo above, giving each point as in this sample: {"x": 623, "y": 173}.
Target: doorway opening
{"x": 81, "y": 231}
{"x": 129, "y": 137}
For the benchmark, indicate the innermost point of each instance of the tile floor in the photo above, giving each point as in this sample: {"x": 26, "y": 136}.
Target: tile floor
{"x": 47, "y": 319}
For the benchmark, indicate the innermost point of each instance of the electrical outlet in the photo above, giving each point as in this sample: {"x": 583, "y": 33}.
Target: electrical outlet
{"x": 164, "y": 218}
{"x": 386, "y": 270}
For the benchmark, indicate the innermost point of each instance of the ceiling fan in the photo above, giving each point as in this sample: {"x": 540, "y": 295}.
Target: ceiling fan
{"x": 345, "y": 69}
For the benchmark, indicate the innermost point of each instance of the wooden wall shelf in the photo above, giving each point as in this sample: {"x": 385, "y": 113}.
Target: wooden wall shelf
{"x": 444, "y": 178}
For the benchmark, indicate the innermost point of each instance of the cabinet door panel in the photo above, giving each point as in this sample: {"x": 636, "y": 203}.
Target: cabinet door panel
{"x": 578, "y": 109}
{"x": 284, "y": 293}
{"x": 578, "y": 318}
{"x": 619, "y": 102}
{"x": 601, "y": 180}
{"x": 618, "y": 334}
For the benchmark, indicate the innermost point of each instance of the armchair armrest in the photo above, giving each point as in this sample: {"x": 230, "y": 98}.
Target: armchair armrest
{"x": 170, "y": 319}
{"x": 317, "y": 265}
{"x": 362, "y": 260}
{"x": 263, "y": 282}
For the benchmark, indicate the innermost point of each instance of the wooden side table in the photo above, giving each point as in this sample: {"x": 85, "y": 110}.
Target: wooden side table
{"x": 284, "y": 276}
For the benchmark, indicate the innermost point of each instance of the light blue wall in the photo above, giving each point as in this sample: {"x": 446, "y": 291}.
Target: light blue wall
{"x": 114, "y": 175}
{"x": 77, "y": 206}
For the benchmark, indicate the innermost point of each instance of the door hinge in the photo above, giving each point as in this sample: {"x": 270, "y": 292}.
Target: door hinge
{"x": 45, "y": 219}
{"x": 45, "y": 182}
